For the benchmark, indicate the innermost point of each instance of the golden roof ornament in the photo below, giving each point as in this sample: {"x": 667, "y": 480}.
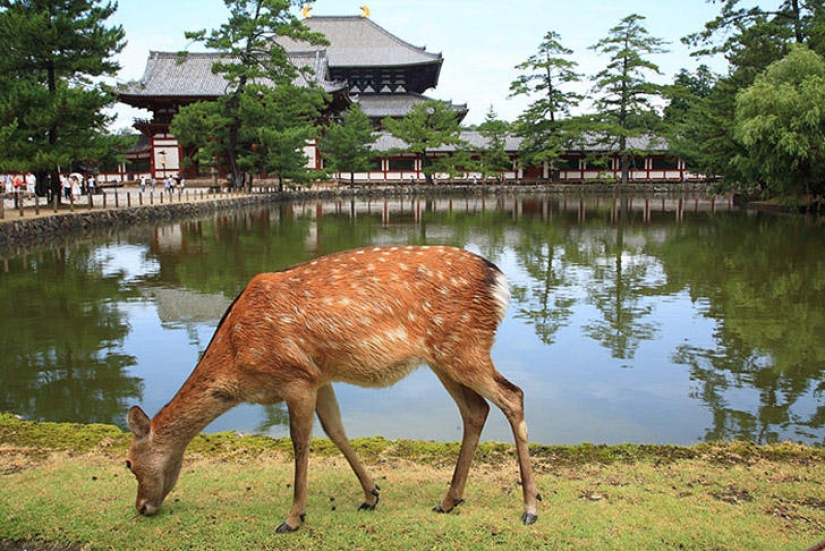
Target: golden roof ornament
{"x": 365, "y": 11}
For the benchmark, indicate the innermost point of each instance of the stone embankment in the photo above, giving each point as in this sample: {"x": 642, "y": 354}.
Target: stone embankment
{"x": 16, "y": 230}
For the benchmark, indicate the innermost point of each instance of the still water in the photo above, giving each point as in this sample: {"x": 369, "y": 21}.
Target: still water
{"x": 649, "y": 320}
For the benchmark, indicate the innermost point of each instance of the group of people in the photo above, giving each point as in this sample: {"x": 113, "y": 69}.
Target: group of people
{"x": 74, "y": 185}
{"x": 20, "y": 184}
{"x": 170, "y": 183}
{"x": 25, "y": 185}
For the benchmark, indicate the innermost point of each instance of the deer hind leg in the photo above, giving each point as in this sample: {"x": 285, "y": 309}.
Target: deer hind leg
{"x": 474, "y": 412}
{"x": 329, "y": 414}
{"x": 301, "y": 404}
{"x": 484, "y": 379}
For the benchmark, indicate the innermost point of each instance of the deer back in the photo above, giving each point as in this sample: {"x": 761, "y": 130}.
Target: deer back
{"x": 366, "y": 316}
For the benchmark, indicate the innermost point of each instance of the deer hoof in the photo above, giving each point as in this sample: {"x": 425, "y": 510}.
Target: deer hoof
{"x": 371, "y": 507}
{"x": 285, "y": 528}
{"x": 368, "y": 506}
{"x": 529, "y": 518}
{"x": 442, "y": 511}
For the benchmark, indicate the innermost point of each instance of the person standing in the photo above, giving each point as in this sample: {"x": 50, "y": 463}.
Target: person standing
{"x": 65, "y": 186}
{"x": 31, "y": 184}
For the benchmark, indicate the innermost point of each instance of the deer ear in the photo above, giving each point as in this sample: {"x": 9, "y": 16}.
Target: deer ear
{"x": 139, "y": 423}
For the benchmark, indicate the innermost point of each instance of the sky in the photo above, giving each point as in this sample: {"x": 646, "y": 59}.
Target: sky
{"x": 481, "y": 41}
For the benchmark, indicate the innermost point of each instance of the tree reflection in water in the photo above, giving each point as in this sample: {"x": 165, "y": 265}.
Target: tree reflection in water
{"x": 593, "y": 272}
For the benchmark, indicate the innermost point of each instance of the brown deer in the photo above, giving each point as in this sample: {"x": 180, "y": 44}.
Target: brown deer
{"x": 367, "y": 317}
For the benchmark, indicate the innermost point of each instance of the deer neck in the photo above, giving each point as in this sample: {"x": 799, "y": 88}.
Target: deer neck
{"x": 199, "y": 401}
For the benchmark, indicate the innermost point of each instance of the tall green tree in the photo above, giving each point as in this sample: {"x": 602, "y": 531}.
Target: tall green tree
{"x": 428, "y": 125}
{"x": 781, "y": 123}
{"x": 797, "y": 21}
{"x": 52, "y": 108}
{"x": 346, "y": 146}
{"x": 284, "y": 121}
{"x": 750, "y": 38}
{"x": 493, "y": 157}
{"x": 253, "y": 55}
{"x": 623, "y": 91}
{"x": 547, "y": 78}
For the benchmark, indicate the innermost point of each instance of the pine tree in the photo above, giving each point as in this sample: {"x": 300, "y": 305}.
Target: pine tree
{"x": 428, "y": 125}
{"x": 493, "y": 156}
{"x": 346, "y": 145}
{"x": 253, "y": 56}
{"x": 622, "y": 90}
{"x": 547, "y": 77}
{"x": 55, "y": 53}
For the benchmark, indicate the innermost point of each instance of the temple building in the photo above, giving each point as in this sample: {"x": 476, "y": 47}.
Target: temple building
{"x": 363, "y": 63}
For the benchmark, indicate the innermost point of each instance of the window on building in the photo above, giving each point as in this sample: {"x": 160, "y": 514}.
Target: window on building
{"x": 566, "y": 163}
{"x": 598, "y": 163}
{"x": 665, "y": 162}
{"x": 637, "y": 162}
{"x": 402, "y": 164}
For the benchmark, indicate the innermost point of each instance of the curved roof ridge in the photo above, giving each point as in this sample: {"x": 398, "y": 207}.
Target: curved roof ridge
{"x": 379, "y": 28}
{"x": 361, "y": 42}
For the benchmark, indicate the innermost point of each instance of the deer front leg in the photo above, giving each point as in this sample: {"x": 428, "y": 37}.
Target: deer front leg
{"x": 329, "y": 414}
{"x": 301, "y": 409}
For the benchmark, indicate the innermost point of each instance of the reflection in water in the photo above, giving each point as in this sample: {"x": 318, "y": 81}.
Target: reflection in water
{"x": 661, "y": 319}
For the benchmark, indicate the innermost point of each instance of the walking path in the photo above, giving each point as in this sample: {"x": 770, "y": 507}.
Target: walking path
{"x": 109, "y": 198}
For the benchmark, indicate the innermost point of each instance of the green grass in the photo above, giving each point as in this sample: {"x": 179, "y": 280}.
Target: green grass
{"x": 65, "y": 486}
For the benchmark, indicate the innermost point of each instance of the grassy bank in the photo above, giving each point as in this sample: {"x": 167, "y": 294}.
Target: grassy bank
{"x": 66, "y": 487}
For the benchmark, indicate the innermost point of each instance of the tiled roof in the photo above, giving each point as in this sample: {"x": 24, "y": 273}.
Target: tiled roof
{"x": 477, "y": 142}
{"x": 396, "y": 105}
{"x": 190, "y": 75}
{"x": 359, "y": 42}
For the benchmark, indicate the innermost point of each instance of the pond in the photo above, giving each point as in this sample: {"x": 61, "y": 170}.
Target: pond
{"x": 633, "y": 319}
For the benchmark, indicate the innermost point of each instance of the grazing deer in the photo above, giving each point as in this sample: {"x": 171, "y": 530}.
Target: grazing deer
{"x": 366, "y": 317}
